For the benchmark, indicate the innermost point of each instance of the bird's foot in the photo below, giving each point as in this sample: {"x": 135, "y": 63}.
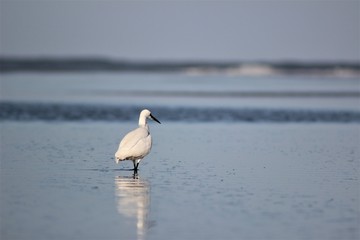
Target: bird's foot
{"x": 135, "y": 175}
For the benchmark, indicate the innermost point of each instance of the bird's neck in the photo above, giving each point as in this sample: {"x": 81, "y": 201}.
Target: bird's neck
{"x": 143, "y": 123}
{"x": 144, "y": 126}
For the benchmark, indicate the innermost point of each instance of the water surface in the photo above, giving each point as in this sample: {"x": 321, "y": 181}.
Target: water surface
{"x": 201, "y": 181}
{"x": 235, "y": 157}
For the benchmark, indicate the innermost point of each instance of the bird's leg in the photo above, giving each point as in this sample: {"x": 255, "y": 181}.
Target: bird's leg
{"x": 135, "y": 168}
{"x": 136, "y": 164}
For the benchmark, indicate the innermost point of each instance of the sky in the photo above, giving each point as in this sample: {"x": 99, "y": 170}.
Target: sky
{"x": 260, "y": 30}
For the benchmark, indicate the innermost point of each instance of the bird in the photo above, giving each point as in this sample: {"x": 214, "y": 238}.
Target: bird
{"x": 137, "y": 143}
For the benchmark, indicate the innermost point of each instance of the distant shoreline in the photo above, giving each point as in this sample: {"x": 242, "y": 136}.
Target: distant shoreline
{"x": 40, "y": 111}
{"x": 342, "y": 69}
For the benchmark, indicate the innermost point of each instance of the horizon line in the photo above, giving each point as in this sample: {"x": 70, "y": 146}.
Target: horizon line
{"x": 174, "y": 60}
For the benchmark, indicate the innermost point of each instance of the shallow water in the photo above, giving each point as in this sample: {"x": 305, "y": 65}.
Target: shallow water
{"x": 235, "y": 157}
{"x": 11, "y": 111}
{"x": 178, "y": 97}
{"x": 201, "y": 181}
{"x": 178, "y": 90}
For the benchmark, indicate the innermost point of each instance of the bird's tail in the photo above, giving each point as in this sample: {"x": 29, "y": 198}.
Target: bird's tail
{"x": 118, "y": 157}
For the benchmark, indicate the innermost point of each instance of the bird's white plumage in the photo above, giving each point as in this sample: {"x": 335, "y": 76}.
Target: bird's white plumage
{"x": 137, "y": 143}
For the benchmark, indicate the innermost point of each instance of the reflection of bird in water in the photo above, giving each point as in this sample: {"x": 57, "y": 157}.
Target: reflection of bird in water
{"x": 133, "y": 201}
{"x": 137, "y": 143}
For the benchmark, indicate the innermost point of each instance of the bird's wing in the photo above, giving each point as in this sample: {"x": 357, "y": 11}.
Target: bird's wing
{"x": 133, "y": 137}
{"x": 136, "y": 144}
{"x": 141, "y": 148}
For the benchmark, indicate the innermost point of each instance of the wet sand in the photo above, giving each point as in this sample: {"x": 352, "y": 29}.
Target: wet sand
{"x": 201, "y": 181}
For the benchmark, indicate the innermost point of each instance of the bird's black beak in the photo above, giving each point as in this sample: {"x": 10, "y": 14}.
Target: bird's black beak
{"x": 154, "y": 118}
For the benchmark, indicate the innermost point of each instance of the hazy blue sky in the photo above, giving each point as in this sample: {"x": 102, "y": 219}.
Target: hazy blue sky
{"x": 181, "y": 30}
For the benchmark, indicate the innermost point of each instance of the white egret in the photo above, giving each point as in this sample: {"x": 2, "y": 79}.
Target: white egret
{"x": 137, "y": 143}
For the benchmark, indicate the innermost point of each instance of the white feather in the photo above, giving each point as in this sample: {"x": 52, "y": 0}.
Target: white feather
{"x": 137, "y": 143}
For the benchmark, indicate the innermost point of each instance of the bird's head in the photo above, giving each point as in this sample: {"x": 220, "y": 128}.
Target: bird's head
{"x": 146, "y": 114}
